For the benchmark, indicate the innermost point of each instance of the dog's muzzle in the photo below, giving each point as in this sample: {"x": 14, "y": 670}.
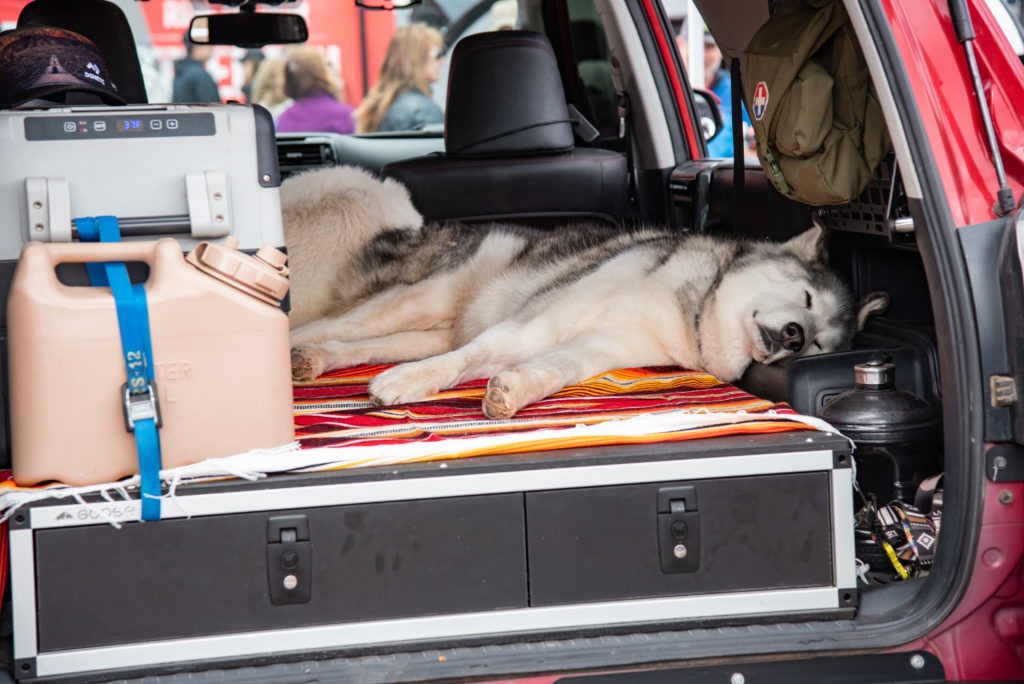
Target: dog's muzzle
{"x": 792, "y": 337}
{"x": 777, "y": 344}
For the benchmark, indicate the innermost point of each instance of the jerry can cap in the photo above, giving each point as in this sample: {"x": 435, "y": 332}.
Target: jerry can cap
{"x": 263, "y": 276}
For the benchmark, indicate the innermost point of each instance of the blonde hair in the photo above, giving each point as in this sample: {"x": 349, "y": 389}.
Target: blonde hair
{"x": 268, "y": 83}
{"x": 306, "y": 72}
{"x": 403, "y": 69}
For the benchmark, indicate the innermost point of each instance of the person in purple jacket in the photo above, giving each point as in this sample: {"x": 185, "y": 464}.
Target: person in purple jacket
{"x": 315, "y": 89}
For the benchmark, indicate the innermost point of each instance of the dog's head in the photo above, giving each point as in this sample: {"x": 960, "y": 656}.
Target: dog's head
{"x": 777, "y": 301}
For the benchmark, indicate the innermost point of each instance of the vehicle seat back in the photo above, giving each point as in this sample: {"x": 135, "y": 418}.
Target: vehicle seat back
{"x": 509, "y": 148}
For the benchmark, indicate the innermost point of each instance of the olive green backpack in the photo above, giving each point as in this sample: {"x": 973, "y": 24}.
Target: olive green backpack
{"x": 819, "y": 128}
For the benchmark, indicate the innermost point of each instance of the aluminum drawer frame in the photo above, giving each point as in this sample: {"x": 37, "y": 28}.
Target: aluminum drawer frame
{"x": 806, "y": 452}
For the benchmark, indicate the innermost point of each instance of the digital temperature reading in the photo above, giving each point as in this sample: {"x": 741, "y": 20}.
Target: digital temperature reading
{"x": 118, "y": 124}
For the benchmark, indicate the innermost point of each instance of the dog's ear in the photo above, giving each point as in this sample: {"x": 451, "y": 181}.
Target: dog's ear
{"x": 870, "y": 304}
{"x": 809, "y": 245}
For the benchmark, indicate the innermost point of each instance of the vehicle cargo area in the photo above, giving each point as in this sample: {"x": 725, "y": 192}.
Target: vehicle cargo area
{"x": 692, "y": 535}
{"x": 306, "y": 523}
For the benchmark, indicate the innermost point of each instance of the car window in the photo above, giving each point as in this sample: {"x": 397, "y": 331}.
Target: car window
{"x": 456, "y": 19}
{"x": 595, "y": 89}
{"x": 352, "y": 42}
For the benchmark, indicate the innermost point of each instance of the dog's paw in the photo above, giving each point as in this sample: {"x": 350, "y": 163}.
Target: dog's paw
{"x": 402, "y": 384}
{"x": 498, "y": 403}
{"x": 307, "y": 363}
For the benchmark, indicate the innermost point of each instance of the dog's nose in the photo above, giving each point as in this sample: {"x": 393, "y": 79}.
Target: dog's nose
{"x": 793, "y": 337}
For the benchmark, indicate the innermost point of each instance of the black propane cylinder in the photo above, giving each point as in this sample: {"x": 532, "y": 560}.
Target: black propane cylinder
{"x": 896, "y": 432}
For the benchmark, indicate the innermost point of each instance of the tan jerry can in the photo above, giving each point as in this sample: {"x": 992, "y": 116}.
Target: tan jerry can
{"x": 220, "y": 348}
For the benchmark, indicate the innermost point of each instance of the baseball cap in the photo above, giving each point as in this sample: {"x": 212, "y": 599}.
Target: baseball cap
{"x": 38, "y": 61}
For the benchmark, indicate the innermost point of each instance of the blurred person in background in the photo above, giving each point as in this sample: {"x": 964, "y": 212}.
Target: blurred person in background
{"x": 400, "y": 99}
{"x": 268, "y": 86}
{"x": 718, "y": 80}
{"x": 250, "y": 63}
{"x": 315, "y": 90}
{"x": 504, "y": 14}
{"x": 192, "y": 82}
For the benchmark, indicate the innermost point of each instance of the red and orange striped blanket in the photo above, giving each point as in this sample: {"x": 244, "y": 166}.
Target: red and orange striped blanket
{"x": 335, "y": 411}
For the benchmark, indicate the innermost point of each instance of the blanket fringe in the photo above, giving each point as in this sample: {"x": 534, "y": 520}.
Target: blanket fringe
{"x": 259, "y": 463}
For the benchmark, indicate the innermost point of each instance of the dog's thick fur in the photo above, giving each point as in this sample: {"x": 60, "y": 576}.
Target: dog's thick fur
{"x": 536, "y": 310}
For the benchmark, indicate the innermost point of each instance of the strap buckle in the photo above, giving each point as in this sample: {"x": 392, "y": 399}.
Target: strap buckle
{"x": 775, "y": 172}
{"x": 142, "y": 405}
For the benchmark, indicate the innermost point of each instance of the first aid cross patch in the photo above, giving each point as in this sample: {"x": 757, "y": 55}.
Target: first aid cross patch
{"x": 760, "y": 103}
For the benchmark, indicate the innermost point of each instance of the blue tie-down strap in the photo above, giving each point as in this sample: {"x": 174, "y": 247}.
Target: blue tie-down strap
{"x": 98, "y": 230}
{"x": 141, "y": 409}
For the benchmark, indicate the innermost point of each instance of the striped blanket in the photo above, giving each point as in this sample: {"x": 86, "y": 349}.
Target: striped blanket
{"x": 335, "y": 411}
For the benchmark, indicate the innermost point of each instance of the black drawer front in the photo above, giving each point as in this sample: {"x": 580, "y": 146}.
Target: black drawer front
{"x": 756, "y": 533}
{"x": 101, "y": 586}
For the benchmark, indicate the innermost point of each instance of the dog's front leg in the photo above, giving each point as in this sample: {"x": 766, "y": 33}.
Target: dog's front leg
{"x": 494, "y": 349}
{"x": 570, "y": 363}
{"x": 417, "y": 380}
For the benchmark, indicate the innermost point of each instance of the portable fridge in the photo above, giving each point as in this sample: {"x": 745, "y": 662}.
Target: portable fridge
{"x": 571, "y": 541}
{"x": 210, "y": 171}
{"x": 194, "y": 172}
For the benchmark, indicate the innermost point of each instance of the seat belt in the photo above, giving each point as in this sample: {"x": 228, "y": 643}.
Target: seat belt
{"x": 625, "y": 128}
{"x": 138, "y": 393}
{"x": 581, "y": 125}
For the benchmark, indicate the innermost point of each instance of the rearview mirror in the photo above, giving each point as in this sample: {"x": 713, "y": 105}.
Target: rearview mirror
{"x": 386, "y": 4}
{"x": 248, "y": 29}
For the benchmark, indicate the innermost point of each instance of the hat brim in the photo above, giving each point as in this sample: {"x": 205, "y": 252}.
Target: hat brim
{"x": 42, "y": 91}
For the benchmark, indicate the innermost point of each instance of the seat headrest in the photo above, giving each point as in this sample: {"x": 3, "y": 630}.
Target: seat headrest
{"x": 505, "y": 97}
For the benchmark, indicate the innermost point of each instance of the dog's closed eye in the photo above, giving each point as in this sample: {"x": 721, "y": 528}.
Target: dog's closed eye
{"x": 809, "y": 301}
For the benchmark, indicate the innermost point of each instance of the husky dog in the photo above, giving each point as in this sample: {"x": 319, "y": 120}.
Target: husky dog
{"x": 535, "y": 310}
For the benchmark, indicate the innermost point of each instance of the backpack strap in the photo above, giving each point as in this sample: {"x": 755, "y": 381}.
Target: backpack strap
{"x": 739, "y": 145}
